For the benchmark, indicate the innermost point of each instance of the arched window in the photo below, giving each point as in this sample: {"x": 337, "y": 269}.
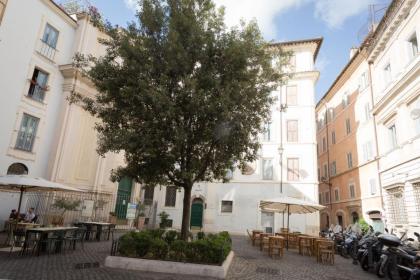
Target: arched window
{"x": 17, "y": 169}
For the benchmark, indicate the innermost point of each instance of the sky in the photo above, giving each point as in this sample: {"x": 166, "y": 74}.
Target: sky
{"x": 341, "y": 23}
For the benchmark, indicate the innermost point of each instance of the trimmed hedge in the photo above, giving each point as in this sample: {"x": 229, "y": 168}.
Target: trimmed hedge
{"x": 161, "y": 245}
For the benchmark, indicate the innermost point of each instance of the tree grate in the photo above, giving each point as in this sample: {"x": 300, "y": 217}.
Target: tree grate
{"x": 267, "y": 270}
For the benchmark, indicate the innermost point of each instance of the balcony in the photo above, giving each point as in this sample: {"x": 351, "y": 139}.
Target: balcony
{"x": 46, "y": 50}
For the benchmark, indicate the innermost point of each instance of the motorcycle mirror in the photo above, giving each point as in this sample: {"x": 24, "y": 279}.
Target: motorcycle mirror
{"x": 386, "y": 230}
{"x": 410, "y": 239}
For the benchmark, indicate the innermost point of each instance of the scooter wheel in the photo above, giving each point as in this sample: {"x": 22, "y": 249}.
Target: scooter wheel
{"x": 364, "y": 264}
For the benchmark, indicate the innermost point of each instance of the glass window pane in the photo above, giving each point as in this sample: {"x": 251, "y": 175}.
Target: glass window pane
{"x": 291, "y": 95}
{"x": 50, "y": 36}
{"x": 27, "y": 133}
{"x": 267, "y": 165}
{"x": 227, "y": 206}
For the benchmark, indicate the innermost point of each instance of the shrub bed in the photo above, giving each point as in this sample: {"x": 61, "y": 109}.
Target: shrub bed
{"x": 159, "y": 244}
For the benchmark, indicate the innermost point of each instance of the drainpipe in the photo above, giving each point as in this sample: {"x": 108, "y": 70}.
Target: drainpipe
{"x": 375, "y": 132}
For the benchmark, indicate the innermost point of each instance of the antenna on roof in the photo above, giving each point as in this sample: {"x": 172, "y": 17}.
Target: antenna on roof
{"x": 376, "y": 12}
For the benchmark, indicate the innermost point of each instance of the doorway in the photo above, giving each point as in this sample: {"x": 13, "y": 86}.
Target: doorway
{"x": 267, "y": 221}
{"x": 197, "y": 209}
{"x": 123, "y": 197}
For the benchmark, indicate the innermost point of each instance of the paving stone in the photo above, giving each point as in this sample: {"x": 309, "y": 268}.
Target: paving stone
{"x": 249, "y": 263}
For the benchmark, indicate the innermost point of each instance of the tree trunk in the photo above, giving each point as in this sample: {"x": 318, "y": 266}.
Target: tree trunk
{"x": 185, "y": 228}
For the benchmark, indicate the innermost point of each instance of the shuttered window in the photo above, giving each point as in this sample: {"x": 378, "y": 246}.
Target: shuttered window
{"x": 293, "y": 169}
{"x": 27, "y": 132}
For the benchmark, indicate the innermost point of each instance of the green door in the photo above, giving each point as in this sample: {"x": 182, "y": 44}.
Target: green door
{"x": 123, "y": 197}
{"x": 196, "y": 214}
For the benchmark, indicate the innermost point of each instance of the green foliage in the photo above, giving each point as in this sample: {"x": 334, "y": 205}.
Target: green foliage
{"x": 181, "y": 96}
{"x": 159, "y": 249}
{"x": 155, "y": 233}
{"x": 171, "y": 235}
{"x": 66, "y": 204}
{"x": 164, "y": 221}
{"x": 363, "y": 225}
{"x": 210, "y": 249}
{"x": 200, "y": 235}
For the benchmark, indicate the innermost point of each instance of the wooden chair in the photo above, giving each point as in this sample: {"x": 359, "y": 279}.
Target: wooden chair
{"x": 276, "y": 246}
{"x": 263, "y": 242}
{"x": 325, "y": 251}
{"x": 256, "y": 237}
{"x": 293, "y": 240}
{"x": 284, "y": 230}
{"x": 305, "y": 246}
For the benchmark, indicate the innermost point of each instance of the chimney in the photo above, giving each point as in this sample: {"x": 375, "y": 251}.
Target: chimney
{"x": 353, "y": 51}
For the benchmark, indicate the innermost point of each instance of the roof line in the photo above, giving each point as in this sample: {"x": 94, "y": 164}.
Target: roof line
{"x": 317, "y": 40}
{"x": 61, "y": 9}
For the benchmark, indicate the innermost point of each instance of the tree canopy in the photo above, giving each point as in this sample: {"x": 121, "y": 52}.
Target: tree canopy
{"x": 183, "y": 96}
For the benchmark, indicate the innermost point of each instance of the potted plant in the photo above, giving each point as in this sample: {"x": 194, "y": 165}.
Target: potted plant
{"x": 141, "y": 218}
{"x": 64, "y": 205}
{"x": 164, "y": 220}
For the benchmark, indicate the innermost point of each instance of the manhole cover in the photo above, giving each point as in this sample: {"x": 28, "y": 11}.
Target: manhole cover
{"x": 267, "y": 270}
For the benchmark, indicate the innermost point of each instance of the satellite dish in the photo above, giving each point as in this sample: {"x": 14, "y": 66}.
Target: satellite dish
{"x": 415, "y": 113}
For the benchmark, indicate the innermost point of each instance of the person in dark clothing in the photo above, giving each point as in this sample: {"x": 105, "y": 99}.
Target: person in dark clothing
{"x": 13, "y": 215}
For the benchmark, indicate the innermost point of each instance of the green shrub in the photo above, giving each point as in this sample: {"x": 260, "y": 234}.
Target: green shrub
{"x": 201, "y": 235}
{"x": 210, "y": 249}
{"x": 142, "y": 243}
{"x": 125, "y": 245}
{"x": 177, "y": 250}
{"x": 158, "y": 249}
{"x": 171, "y": 235}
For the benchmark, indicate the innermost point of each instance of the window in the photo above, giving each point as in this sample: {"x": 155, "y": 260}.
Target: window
{"x": 2, "y": 8}
{"x": 292, "y": 131}
{"x": 336, "y": 195}
{"x": 38, "y": 85}
{"x": 367, "y": 151}
{"x": 170, "y": 198}
{"x": 345, "y": 100}
{"x": 292, "y": 62}
{"x": 333, "y": 137}
{"x": 327, "y": 197}
{"x": 416, "y": 191}
{"x": 293, "y": 169}
{"x": 50, "y": 36}
{"x": 319, "y": 173}
{"x": 348, "y": 127}
{"x": 331, "y": 114}
{"x": 351, "y": 189}
{"x": 349, "y": 160}
{"x": 333, "y": 168}
{"x": 324, "y": 144}
{"x": 267, "y": 166}
{"x": 415, "y": 115}
{"x": 267, "y": 131}
{"x": 325, "y": 170}
{"x": 363, "y": 81}
{"x": 414, "y": 47}
{"x": 396, "y": 206}
{"x": 392, "y": 132}
{"x": 372, "y": 184}
{"x": 366, "y": 110}
{"x": 291, "y": 95}
{"x": 387, "y": 74}
{"x": 320, "y": 198}
{"x": 27, "y": 132}
{"x": 148, "y": 195}
{"x": 227, "y": 206}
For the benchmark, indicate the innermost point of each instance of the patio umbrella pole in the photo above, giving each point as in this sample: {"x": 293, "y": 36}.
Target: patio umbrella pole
{"x": 20, "y": 200}
{"x": 288, "y": 231}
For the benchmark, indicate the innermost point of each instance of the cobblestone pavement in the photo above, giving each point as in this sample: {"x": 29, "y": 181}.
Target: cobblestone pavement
{"x": 249, "y": 263}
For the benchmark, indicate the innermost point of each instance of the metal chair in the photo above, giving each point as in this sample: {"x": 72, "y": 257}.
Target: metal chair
{"x": 18, "y": 240}
{"x": 75, "y": 236}
{"x": 111, "y": 230}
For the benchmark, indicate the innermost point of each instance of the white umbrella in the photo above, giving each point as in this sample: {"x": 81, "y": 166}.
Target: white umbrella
{"x": 290, "y": 205}
{"x": 25, "y": 183}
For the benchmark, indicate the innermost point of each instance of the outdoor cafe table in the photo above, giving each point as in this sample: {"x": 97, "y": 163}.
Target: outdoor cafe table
{"x": 44, "y": 231}
{"x": 12, "y": 225}
{"x": 99, "y": 225}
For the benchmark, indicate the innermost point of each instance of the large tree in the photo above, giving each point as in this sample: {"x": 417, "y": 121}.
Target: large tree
{"x": 181, "y": 95}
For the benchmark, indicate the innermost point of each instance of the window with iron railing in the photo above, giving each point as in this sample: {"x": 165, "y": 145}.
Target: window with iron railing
{"x": 48, "y": 47}
{"x": 38, "y": 85}
{"x": 27, "y": 132}
{"x": 170, "y": 198}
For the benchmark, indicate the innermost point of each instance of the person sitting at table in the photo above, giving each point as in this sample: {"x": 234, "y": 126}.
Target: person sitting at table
{"x": 30, "y": 215}
{"x": 13, "y": 215}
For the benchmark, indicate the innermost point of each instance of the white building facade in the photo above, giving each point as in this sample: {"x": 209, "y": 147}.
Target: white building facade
{"x": 41, "y": 133}
{"x": 234, "y": 206}
{"x": 395, "y": 64}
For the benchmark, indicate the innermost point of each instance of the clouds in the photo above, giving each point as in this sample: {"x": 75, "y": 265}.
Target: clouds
{"x": 335, "y": 12}
{"x": 332, "y": 12}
